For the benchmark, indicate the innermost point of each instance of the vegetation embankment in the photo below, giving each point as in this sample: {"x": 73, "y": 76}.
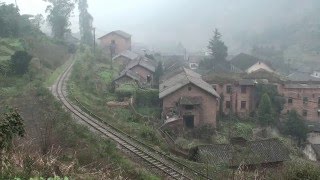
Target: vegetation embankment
{"x": 91, "y": 84}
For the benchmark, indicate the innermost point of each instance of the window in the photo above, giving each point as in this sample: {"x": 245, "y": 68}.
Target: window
{"x": 243, "y": 104}
{"x": 189, "y": 88}
{"x": 148, "y": 78}
{"x": 228, "y": 89}
{"x": 189, "y": 107}
{"x": 228, "y": 105}
{"x": 304, "y": 113}
{"x": 318, "y": 113}
{"x": 243, "y": 89}
{"x": 290, "y": 100}
{"x": 305, "y": 100}
{"x": 318, "y": 102}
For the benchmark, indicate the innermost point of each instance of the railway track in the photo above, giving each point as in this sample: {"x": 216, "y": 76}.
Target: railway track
{"x": 165, "y": 164}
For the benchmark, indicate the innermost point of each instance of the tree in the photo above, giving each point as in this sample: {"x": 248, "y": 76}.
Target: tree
{"x": 58, "y": 17}
{"x": 265, "y": 111}
{"x": 85, "y": 23}
{"x": 217, "y": 48}
{"x": 20, "y": 62}
{"x": 296, "y": 127}
{"x": 9, "y": 20}
{"x": 11, "y": 125}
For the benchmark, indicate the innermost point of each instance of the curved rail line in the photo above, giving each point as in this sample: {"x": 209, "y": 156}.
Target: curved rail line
{"x": 157, "y": 159}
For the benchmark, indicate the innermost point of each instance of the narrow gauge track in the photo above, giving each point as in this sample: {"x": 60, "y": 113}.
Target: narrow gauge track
{"x": 172, "y": 168}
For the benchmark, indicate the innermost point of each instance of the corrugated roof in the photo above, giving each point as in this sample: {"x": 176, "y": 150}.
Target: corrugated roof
{"x": 118, "y": 32}
{"x": 185, "y": 77}
{"x": 128, "y": 54}
{"x": 249, "y": 153}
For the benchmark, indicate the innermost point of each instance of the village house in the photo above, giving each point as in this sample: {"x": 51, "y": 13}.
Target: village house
{"x": 187, "y": 100}
{"x": 266, "y": 153}
{"x": 237, "y": 96}
{"x": 302, "y": 97}
{"x": 312, "y": 151}
{"x": 247, "y": 63}
{"x": 140, "y": 70}
{"x": 124, "y": 58}
{"x": 116, "y": 42}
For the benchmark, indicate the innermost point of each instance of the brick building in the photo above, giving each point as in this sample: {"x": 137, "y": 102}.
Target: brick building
{"x": 124, "y": 58}
{"x": 237, "y": 97}
{"x": 187, "y": 100}
{"x": 116, "y": 42}
{"x": 140, "y": 70}
{"x": 304, "y": 98}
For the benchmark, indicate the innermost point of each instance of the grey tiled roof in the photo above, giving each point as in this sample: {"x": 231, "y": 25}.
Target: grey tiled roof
{"x": 302, "y": 76}
{"x": 128, "y": 54}
{"x": 247, "y": 82}
{"x": 302, "y": 86}
{"x": 120, "y": 33}
{"x": 249, "y": 153}
{"x": 142, "y": 61}
{"x": 129, "y": 74}
{"x": 185, "y": 77}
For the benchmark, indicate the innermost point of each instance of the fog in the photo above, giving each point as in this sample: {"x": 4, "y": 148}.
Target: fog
{"x": 162, "y": 24}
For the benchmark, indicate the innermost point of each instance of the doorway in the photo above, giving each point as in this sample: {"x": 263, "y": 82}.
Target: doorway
{"x": 188, "y": 121}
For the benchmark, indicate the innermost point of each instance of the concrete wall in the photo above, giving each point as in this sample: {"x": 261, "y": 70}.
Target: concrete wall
{"x": 309, "y": 152}
{"x": 122, "y": 43}
{"x": 203, "y": 114}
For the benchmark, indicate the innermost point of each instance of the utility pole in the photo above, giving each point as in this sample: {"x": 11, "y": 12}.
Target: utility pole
{"x": 94, "y": 40}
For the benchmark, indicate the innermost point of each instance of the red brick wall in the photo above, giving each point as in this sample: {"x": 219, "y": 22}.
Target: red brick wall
{"x": 204, "y": 113}
{"x": 122, "y": 43}
{"x": 297, "y": 101}
{"x": 143, "y": 72}
{"x": 235, "y": 98}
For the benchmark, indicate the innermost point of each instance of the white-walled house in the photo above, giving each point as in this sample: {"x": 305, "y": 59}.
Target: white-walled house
{"x": 259, "y": 66}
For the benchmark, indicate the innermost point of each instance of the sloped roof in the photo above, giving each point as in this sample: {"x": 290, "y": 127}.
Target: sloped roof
{"x": 185, "y": 77}
{"x": 249, "y": 153}
{"x": 142, "y": 61}
{"x": 247, "y": 82}
{"x": 302, "y": 76}
{"x": 129, "y": 74}
{"x": 118, "y": 32}
{"x": 244, "y": 61}
{"x": 128, "y": 54}
{"x": 302, "y": 86}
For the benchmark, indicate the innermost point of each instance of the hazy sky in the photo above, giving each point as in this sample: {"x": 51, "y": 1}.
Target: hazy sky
{"x": 165, "y": 23}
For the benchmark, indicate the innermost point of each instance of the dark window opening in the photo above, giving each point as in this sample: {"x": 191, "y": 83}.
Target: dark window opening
{"x": 189, "y": 107}
{"x": 318, "y": 113}
{"x": 304, "y": 113}
{"x": 243, "y": 89}
{"x": 290, "y": 100}
{"x": 228, "y": 89}
{"x": 243, "y": 104}
{"x": 189, "y": 121}
{"x": 189, "y": 88}
{"x": 228, "y": 105}
{"x": 319, "y": 102}
{"x": 305, "y": 100}
{"x": 148, "y": 78}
